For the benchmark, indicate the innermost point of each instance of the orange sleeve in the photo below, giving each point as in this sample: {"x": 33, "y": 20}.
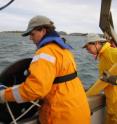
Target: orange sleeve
{"x": 38, "y": 83}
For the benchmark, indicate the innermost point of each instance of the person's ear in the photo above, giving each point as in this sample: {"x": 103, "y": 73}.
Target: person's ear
{"x": 44, "y": 30}
{"x": 97, "y": 42}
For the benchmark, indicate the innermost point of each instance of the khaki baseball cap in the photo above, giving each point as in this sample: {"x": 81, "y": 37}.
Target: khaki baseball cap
{"x": 36, "y": 22}
{"x": 92, "y": 38}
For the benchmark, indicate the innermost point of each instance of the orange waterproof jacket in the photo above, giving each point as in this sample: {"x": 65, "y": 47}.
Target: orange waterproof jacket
{"x": 64, "y": 103}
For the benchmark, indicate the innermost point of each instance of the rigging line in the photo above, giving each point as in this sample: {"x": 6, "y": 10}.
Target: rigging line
{"x": 1, "y": 8}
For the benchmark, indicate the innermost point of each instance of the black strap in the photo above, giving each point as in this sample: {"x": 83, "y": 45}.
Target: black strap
{"x": 65, "y": 78}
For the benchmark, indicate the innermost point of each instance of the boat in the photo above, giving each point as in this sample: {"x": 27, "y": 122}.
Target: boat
{"x": 17, "y": 73}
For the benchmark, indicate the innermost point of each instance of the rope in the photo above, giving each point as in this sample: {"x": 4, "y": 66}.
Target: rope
{"x": 33, "y": 105}
{"x": 1, "y": 8}
{"x": 11, "y": 114}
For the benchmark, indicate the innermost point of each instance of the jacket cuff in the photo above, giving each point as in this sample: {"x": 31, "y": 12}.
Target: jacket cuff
{"x": 8, "y": 95}
{"x": 2, "y": 96}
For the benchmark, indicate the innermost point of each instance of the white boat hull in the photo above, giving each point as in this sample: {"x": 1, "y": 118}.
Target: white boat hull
{"x": 97, "y": 106}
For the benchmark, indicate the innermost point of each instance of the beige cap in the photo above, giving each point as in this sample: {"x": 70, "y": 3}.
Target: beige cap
{"x": 92, "y": 38}
{"x": 35, "y": 22}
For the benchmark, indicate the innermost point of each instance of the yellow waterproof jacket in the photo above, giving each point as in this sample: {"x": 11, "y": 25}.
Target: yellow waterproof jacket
{"x": 107, "y": 61}
{"x": 64, "y": 103}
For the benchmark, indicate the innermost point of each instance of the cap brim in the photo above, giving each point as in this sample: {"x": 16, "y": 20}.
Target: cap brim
{"x": 85, "y": 46}
{"x": 27, "y": 32}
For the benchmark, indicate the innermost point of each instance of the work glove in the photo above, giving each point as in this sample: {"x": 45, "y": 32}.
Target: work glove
{"x": 107, "y": 77}
{"x": 2, "y": 90}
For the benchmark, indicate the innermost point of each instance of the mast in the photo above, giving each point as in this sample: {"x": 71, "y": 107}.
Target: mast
{"x": 106, "y": 21}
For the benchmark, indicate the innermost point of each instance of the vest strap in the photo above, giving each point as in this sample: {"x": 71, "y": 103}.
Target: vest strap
{"x": 65, "y": 78}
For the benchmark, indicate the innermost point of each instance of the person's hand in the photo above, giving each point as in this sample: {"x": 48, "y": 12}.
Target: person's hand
{"x": 107, "y": 77}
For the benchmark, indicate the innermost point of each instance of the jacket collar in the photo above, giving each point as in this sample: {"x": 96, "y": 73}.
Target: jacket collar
{"x": 105, "y": 46}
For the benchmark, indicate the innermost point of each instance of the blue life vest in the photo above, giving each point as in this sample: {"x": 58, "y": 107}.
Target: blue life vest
{"x": 53, "y": 37}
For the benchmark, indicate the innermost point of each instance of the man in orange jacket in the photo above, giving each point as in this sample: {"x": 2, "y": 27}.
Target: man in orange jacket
{"x": 52, "y": 77}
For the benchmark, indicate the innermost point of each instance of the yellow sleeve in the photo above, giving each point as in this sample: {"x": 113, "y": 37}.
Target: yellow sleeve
{"x": 100, "y": 85}
{"x": 96, "y": 88}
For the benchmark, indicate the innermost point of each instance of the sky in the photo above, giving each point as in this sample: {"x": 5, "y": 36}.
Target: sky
{"x": 80, "y": 16}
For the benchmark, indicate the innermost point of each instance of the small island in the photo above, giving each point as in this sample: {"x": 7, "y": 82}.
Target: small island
{"x": 59, "y": 32}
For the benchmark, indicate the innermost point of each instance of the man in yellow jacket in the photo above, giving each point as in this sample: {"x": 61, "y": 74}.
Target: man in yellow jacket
{"x": 107, "y": 57}
{"x": 52, "y": 77}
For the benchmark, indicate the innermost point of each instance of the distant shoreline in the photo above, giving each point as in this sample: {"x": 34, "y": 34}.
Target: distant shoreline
{"x": 60, "y": 33}
{"x": 11, "y": 31}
